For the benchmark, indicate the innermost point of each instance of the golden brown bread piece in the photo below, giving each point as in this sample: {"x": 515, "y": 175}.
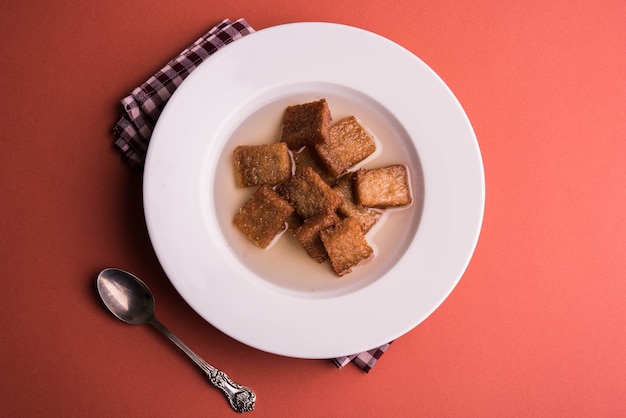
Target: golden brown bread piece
{"x": 382, "y": 187}
{"x": 263, "y": 216}
{"x": 262, "y": 164}
{"x": 309, "y": 194}
{"x": 308, "y": 157}
{"x": 366, "y": 217}
{"x": 309, "y": 234}
{"x": 348, "y": 145}
{"x": 294, "y": 221}
{"x": 306, "y": 124}
{"x": 346, "y": 245}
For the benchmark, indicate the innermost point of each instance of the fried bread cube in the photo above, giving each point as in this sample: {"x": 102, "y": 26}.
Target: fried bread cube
{"x": 309, "y": 194}
{"x": 262, "y": 164}
{"x": 307, "y": 157}
{"x": 263, "y": 216}
{"x": 348, "y": 145}
{"x": 382, "y": 187}
{"x": 306, "y": 124}
{"x": 294, "y": 221}
{"x": 366, "y": 217}
{"x": 309, "y": 234}
{"x": 346, "y": 245}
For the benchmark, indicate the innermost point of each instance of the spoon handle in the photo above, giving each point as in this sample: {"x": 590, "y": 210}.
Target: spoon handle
{"x": 241, "y": 398}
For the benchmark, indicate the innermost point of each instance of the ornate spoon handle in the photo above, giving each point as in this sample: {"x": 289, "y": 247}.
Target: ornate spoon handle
{"x": 241, "y": 398}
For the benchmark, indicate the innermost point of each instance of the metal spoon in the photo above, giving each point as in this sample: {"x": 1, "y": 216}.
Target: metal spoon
{"x": 130, "y": 300}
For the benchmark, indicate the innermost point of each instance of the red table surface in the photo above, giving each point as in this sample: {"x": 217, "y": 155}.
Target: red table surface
{"x": 536, "y": 326}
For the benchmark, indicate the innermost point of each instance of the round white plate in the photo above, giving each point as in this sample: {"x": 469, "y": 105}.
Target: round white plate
{"x": 279, "y": 300}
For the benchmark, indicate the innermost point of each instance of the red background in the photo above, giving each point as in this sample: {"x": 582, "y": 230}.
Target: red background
{"x": 537, "y": 325}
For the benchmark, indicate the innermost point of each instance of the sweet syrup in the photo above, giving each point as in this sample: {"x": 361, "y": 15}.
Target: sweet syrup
{"x": 285, "y": 263}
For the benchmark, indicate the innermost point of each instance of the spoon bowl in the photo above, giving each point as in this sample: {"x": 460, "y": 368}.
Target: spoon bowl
{"x": 127, "y": 297}
{"x": 131, "y": 301}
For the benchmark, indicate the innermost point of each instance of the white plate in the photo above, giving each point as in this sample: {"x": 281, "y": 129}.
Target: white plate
{"x": 279, "y": 300}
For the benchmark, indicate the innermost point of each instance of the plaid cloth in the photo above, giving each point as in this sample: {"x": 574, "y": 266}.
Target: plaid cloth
{"x": 144, "y": 105}
{"x": 364, "y": 360}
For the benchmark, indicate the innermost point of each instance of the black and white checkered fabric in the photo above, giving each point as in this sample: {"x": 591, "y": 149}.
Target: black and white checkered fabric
{"x": 144, "y": 105}
{"x": 365, "y": 360}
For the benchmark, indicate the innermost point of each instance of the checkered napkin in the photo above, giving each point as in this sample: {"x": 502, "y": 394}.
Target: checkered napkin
{"x": 364, "y": 360}
{"x": 144, "y": 105}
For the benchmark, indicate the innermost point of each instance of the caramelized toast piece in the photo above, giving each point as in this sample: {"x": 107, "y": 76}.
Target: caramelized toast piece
{"x": 366, "y": 217}
{"x": 309, "y": 194}
{"x": 348, "y": 145}
{"x": 306, "y": 124}
{"x": 262, "y": 164}
{"x": 382, "y": 187}
{"x": 263, "y": 216}
{"x": 309, "y": 234}
{"x": 294, "y": 221}
{"x": 307, "y": 157}
{"x": 346, "y": 245}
